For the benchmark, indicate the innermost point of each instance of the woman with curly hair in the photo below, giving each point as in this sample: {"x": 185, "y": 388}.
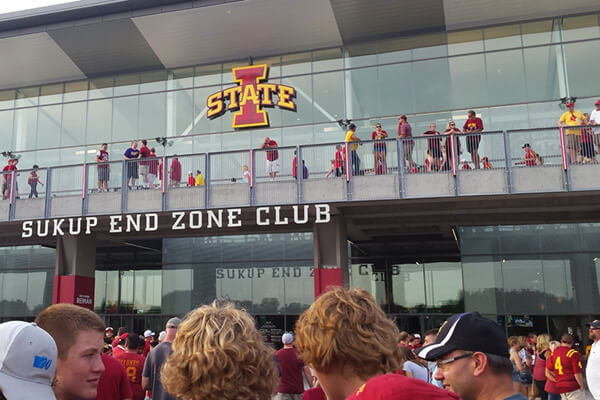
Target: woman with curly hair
{"x": 219, "y": 354}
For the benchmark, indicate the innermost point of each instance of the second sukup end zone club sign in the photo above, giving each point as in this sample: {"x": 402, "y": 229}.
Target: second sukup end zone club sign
{"x": 249, "y": 97}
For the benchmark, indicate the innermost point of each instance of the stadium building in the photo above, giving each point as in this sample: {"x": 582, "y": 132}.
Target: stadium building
{"x": 204, "y": 82}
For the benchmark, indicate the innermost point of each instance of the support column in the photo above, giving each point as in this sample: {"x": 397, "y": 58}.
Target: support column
{"x": 75, "y": 270}
{"x": 331, "y": 255}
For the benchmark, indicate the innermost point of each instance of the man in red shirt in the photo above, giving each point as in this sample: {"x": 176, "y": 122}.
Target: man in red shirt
{"x": 133, "y": 364}
{"x": 152, "y": 168}
{"x": 103, "y": 168}
{"x": 120, "y": 347}
{"x": 530, "y": 156}
{"x": 473, "y": 125}
{"x": 175, "y": 172}
{"x": 6, "y": 179}
{"x": 148, "y": 338}
{"x": 565, "y": 369}
{"x": 144, "y": 165}
{"x": 291, "y": 385}
{"x": 272, "y": 157}
{"x": 113, "y": 384}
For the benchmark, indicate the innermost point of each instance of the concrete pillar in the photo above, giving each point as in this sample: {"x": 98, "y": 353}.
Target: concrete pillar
{"x": 331, "y": 254}
{"x": 75, "y": 270}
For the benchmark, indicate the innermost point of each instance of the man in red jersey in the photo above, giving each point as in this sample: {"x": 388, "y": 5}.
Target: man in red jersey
{"x": 144, "y": 164}
{"x": 113, "y": 384}
{"x": 133, "y": 364}
{"x": 473, "y": 125}
{"x": 565, "y": 367}
{"x": 291, "y": 385}
{"x": 351, "y": 344}
{"x": 272, "y": 157}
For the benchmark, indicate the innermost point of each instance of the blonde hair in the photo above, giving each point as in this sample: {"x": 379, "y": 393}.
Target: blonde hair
{"x": 448, "y": 124}
{"x": 553, "y": 345}
{"x": 542, "y": 342}
{"x": 219, "y": 354}
{"x": 346, "y": 327}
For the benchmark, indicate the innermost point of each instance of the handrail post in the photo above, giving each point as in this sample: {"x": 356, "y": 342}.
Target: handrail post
{"x": 565, "y": 159}
{"x": 84, "y": 190}
{"x": 401, "y": 177}
{"x": 453, "y": 142}
{"x": 299, "y": 173}
{"x": 251, "y": 179}
{"x": 48, "y": 199}
{"x": 124, "y": 188}
{"x": 348, "y": 171}
{"x": 164, "y": 188}
{"x": 508, "y": 162}
{"x": 207, "y": 182}
{"x": 12, "y": 195}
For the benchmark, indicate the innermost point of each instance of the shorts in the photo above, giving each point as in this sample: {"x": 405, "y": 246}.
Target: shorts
{"x": 408, "y": 145}
{"x": 574, "y": 395}
{"x": 103, "y": 174}
{"x": 272, "y": 166}
{"x": 587, "y": 149}
{"x": 574, "y": 142}
{"x": 515, "y": 376}
{"x": 525, "y": 377}
{"x": 379, "y": 148}
{"x": 151, "y": 178}
{"x": 132, "y": 169}
{"x": 436, "y": 152}
{"x": 473, "y": 143}
{"x": 144, "y": 169}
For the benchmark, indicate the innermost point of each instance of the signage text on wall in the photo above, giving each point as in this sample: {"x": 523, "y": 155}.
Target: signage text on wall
{"x": 249, "y": 98}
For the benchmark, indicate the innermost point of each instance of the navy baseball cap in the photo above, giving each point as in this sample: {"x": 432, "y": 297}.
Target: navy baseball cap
{"x": 595, "y": 324}
{"x": 467, "y": 331}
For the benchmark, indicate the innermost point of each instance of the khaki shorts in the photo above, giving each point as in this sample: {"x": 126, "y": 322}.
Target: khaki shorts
{"x": 144, "y": 169}
{"x": 574, "y": 395}
{"x": 573, "y": 142}
{"x": 408, "y": 146}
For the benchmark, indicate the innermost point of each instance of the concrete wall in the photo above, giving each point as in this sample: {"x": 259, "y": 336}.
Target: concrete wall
{"x": 66, "y": 206}
{"x": 144, "y": 200}
{"x": 375, "y": 187}
{"x": 434, "y": 184}
{"x": 324, "y": 189}
{"x": 277, "y": 192}
{"x": 104, "y": 203}
{"x": 186, "y": 197}
{"x": 30, "y": 208}
{"x": 585, "y": 177}
{"x": 538, "y": 179}
{"x": 230, "y": 194}
{"x": 4, "y": 206}
{"x": 482, "y": 181}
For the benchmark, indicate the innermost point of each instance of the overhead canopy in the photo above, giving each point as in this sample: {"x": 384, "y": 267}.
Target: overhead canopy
{"x": 90, "y": 38}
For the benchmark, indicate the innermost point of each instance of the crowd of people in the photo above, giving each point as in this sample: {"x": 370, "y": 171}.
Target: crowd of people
{"x": 343, "y": 347}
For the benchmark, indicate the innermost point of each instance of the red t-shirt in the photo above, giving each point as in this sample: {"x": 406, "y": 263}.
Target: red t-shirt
{"x": 338, "y": 159}
{"x": 103, "y": 155}
{"x": 382, "y": 133}
{"x": 314, "y": 394}
{"x": 565, "y": 363}
{"x": 191, "y": 181}
{"x": 473, "y": 125}
{"x": 145, "y": 152}
{"x": 392, "y": 386}
{"x": 146, "y": 348}
{"x": 153, "y": 164}
{"x": 134, "y": 365}
{"x": 294, "y": 167}
{"x": 176, "y": 170}
{"x": 272, "y": 155}
{"x": 433, "y": 143}
{"x": 117, "y": 350}
{"x": 291, "y": 371}
{"x": 114, "y": 384}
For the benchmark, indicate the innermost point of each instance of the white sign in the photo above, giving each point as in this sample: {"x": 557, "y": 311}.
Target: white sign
{"x": 179, "y": 220}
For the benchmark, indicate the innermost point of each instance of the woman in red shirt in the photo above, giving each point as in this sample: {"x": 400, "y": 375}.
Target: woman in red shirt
{"x": 379, "y": 150}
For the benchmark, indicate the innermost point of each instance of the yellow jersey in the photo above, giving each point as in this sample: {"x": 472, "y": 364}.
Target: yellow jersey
{"x": 574, "y": 118}
{"x": 349, "y": 139}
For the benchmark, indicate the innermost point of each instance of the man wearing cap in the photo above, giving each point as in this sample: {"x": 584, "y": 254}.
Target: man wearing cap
{"x": 354, "y": 159}
{"x": 120, "y": 347}
{"x": 27, "y": 361}
{"x": 530, "y": 156}
{"x": 78, "y": 334}
{"x": 472, "y": 358}
{"x": 572, "y": 117}
{"x": 156, "y": 359}
{"x": 148, "y": 338}
{"x": 592, "y": 372}
{"x": 291, "y": 384}
{"x": 566, "y": 370}
{"x": 109, "y": 335}
{"x": 352, "y": 346}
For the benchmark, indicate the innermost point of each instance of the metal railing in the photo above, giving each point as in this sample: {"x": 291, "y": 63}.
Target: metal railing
{"x": 421, "y": 166}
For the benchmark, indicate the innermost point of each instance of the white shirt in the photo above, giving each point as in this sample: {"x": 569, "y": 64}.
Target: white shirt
{"x": 595, "y": 116}
{"x": 592, "y": 372}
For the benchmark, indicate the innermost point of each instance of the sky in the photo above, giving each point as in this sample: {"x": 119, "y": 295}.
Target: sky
{"x": 8, "y": 6}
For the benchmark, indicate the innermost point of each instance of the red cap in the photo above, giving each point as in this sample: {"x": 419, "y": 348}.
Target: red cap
{"x": 597, "y": 102}
{"x": 570, "y": 104}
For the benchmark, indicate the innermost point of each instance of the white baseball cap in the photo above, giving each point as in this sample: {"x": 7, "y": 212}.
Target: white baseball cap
{"x": 287, "y": 338}
{"x": 148, "y": 332}
{"x": 27, "y": 361}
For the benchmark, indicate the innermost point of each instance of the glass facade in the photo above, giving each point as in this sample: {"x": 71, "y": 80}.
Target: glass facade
{"x": 513, "y": 75}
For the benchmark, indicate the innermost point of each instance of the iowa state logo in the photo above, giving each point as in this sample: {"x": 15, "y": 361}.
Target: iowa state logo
{"x": 250, "y": 97}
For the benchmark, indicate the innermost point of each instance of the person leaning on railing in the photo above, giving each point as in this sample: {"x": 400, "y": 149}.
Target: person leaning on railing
{"x": 572, "y": 117}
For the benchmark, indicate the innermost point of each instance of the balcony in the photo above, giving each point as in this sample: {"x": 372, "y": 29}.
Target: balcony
{"x": 392, "y": 169}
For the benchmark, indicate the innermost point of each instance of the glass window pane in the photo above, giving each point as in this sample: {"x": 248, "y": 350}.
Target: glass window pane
{"x": 304, "y": 99}
{"x": 75, "y": 91}
{"x": 153, "y": 81}
{"x": 360, "y": 55}
{"x": 99, "y": 121}
{"x": 176, "y": 289}
{"x": 394, "y": 50}
{"x": 579, "y": 58}
{"x": 208, "y": 75}
{"x": 502, "y": 37}
{"x": 432, "y": 94}
{"x": 51, "y": 94}
{"x": 444, "y": 287}
{"x": 273, "y": 63}
{"x": 327, "y": 60}
{"x": 112, "y": 292}
{"x": 581, "y": 28}
{"x": 559, "y": 286}
{"x": 7, "y": 99}
{"x": 181, "y": 78}
{"x": 181, "y": 103}
{"x": 429, "y": 45}
{"x": 483, "y": 285}
{"x": 99, "y": 291}
{"x": 25, "y": 128}
{"x": 506, "y": 76}
{"x": 127, "y": 84}
{"x": 126, "y": 299}
{"x": 125, "y": 118}
{"x": 27, "y": 97}
{"x": 267, "y": 290}
{"x": 541, "y": 72}
{"x": 6, "y": 129}
{"x": 201, "y": 123}
{"x": 395, "y": 89}
{"x": 361, "y": 97}
{"x": 147, "y": 291}
{"x": 328, "y": 96}
{"x": 73, "y": 124}
{"x": 467, "y": 74}
{"x": 14, "y": 292}
{"x": 297, "y": 135}
{"x": 408, "y": 288}
{"x": 538, "y": 32}
{"x": 153, "y": 115}
{"x": 462, "y": 42}
{"x": 206, "y": 143}
{"x": 371, "y": 277}
{"x": 101, "y": 87}
{"x": 299, "y": 288}
{"x": 49, "y": 125}
{"x": 293, "y": 64}
{"x": 36, "y": 287}
{"x": 523, "y": 285}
